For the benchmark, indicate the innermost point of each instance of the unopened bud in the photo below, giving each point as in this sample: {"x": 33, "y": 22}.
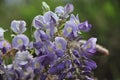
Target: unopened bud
{"x": 45, "y": 7}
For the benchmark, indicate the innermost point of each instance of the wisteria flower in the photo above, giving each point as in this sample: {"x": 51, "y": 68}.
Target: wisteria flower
{"x": 60, "y": 45}
{"x": 40, "y": 35}
{"x": 18, "y": 26}
{"x": 22, "y": 57}
{"x": 45, "y": 59}
{"x": 75, "y": 19}
{"x": 64, "y": 11}
{"x": 4, "y": 46}
{"x": 84, "y": 26}
{"x": 70, "y": 29}
{"x": 45, "y": 20}
{"x": 90, "y": 45}
{"x": 57, "y": 51}
{"x": 20, "y": 41}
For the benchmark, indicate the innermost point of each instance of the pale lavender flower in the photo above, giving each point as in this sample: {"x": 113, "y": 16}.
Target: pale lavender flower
{"x": 60, "y": 45}
{"x": 90, "y": 46}
{"x": 75, "y": 19}
{"x": 49, "y": 47}
{"x": 50, "y": 30}
{"x": 40, "y": 35}
{"x": 64, "y": 11}
{"x": 18, "y": 26}
{"x": 45, "y": 20}
{"x": 39, "y": 22}
{"x": 84, "y": 26}
{"x": 70, "y": 29}
{"x": 48, "y": 16}
{"x": 20, "y": 41}
{"x": 4, "y": 46}
{"x": 22, "y": 57}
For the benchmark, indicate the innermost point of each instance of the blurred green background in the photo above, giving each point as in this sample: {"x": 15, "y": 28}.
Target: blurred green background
{"x": 104, "y": 16}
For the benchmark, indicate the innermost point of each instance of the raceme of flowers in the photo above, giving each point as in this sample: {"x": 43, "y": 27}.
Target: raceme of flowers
{"x": 56, "y": 53}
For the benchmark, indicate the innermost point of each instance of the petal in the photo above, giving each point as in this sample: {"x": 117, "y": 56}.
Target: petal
{"x": 48, "y": 15}
{"x": 39, "y": 22}
{"x": 59, "y": 10}
{"x": 20, "y": 40}
{"x": 60, "y": 43}
{"x": 89, "y": 46}
{"x": 84, "y": 26}
{"x": 18, "y": 26}
{"x": 69, "y": 8}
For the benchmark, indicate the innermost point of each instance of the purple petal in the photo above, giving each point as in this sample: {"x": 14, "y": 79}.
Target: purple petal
{"x": 40, "y": 35}
{"x": 89, "y": 46}
{"x": 46, "y": 59}
{"x": 48, "y": 15}
{"x": 59, "y": 10}
{"x": 70, "y": 28}
{"x": 19, "y": 41}
{"x": 23, "y": 57}
{"x": 69, "y": 8}
{"x": 39, "y": 22}
{"x": 60, "y": 43}
{"x": 5, "y": 44}
{"x": 18, "y": 26}
{"x": 85, "y": 26}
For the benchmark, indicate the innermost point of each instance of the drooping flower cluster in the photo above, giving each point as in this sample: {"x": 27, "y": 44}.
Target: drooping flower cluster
{"x": 57, "y": 52}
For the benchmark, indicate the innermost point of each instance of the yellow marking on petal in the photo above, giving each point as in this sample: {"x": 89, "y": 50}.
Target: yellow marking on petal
{"x": 59, "y": 46}
{"x": 49, "y": 48}
{"x": 4, "y": 44}
{"x": 69, "y": 29}
{"x": 48, "y": 31}
{"x": 20, "y": 41}
{"x": 89, "y": 45}
{"x": 37, "y": 65}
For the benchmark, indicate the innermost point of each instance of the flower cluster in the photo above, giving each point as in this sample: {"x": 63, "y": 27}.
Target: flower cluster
{"x": 57, "y": 52}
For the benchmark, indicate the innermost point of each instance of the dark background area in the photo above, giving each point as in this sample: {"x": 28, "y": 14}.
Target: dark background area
{"x": 104, "y": 15}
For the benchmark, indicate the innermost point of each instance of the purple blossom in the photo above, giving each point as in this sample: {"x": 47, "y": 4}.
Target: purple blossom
{"x": 18, "y": 26}
{"x": 75, "y": 19}
{"x": 57, "y": 69}
{"x": 19, "y": 41}
{"x": 50, "y": 30}
{"x": 49, "y": 47}
{"x": 4, "y": 46}
{"x": 70, "y": 29}
{"x": 40, "y": 35}
{"x": 38, "y": 45}
{"x": 57, "y": 51}
{"x": 64, "y": 11}
{"x": 45, "y": 20}
{"x": 84, "y": 26}
{"x": 45, "y": 60}
{"x": 90, "y": 64}
{"x": 60, "y": 43}
{"x": 22, "y": 57}
{"x": 90, "y": 46}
